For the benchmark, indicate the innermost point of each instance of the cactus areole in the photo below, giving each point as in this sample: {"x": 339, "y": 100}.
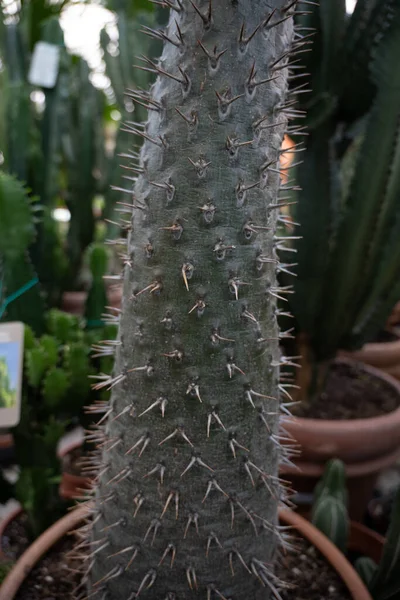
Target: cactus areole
{"x": 187, "y": 493}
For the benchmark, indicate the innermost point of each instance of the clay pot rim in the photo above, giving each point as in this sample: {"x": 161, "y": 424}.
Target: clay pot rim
{"x": 13, "y": 514}
{"x": 33, "y": 554}
{"x": 73, "y": 445}
{"x": 6, "y": 441}
{"x": 348, "y": 425}
{"x": 335, "y": 558}
{"x": 37, "y": 549}
{"x": 357, "y": 469}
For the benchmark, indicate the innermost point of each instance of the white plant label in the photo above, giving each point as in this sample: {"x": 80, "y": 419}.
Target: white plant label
{"x": 45, "y": 61}
{"x": 11, "y": 365}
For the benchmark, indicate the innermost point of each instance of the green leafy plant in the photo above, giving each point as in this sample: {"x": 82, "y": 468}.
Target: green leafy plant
{"x": 190, "y": 450}
{"x": 348, "y": 255}
{"x": 56, "y": 390}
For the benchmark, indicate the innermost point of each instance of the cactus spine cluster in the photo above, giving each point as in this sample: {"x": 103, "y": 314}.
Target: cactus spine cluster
{"x": 188, "y": 487}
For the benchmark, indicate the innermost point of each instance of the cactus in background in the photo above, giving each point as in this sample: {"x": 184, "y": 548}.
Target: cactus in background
{"x": 124, "y": 81}
{"x": 81, "y": 143}
{"x": 97, "y": 295}
{"x": 191, "y": 446}
{"x": 366, "y": 568}
{"x": 20, "y": 297}
{"x": 348, "y": 256}
{"x": 329, "y": 513}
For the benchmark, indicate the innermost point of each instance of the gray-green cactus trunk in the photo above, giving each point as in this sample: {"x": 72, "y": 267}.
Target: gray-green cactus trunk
{"x": 186, "y": 503}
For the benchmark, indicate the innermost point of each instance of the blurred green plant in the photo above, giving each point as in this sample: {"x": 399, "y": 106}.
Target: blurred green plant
{"x": 56, "y": 390}
{"x": 20, "y": 294}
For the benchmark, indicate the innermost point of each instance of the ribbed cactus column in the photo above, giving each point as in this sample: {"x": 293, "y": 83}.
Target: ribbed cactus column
{"x": 187, "y": 497}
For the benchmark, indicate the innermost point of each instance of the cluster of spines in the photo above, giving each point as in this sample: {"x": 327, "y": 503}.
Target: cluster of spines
{"x": 107, "y": 347}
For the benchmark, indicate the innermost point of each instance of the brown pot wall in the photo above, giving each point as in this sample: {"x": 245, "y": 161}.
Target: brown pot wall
{"x": 336, "y": 559}
{"x": 49, "y": 538}
{"x": 34, "y": 553}
{"x": 365, "y": 541}
{"x": 360, "y": 479}
{"x": 72, "y": 486}
{"x": 362, "y": 540}
{"x": 352, "y": 441}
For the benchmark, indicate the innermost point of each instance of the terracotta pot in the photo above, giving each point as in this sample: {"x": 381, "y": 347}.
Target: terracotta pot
{"x": 72, "y": 486}
{"x": 74, "y": 302}
{"x": 335, "y": 558}
{"x": 353, "y": 440}
{"x": 382, "y": 355}
{"x": 362, "y": 540}
{"x": 360, "y": 479}
{"x": 365, "y": 541}
{"x": 49, "y": 538}
{"x": 394, "y": 317}
{"x": 34, "y": 553}
{"x": 4, "y": 523}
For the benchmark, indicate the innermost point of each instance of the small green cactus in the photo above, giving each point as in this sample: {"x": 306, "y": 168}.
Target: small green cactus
{"x": 329, "y": 512}
{"x": 55, "y": 387}
{"x": 366, "y": 568}
{"x": 64, "y": 326}
{"x": 96, "y": 301}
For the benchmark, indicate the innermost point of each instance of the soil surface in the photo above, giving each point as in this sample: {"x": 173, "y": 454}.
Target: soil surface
{"x": 52, "y": 578}
{"x": 309, "y": 575}
{"x": 15, "y": 540}
{"x": 350, "y": 393}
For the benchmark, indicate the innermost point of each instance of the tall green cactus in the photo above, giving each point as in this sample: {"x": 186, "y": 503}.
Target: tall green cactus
{"x": 189, "y": 489}
{"x": 124, "y": 81}
{"x": 348, "y": 255}
{"x": 81, "y": 151}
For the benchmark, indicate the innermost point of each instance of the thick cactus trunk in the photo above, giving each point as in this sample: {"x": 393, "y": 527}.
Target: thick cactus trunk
{"x": 187, "y": 497}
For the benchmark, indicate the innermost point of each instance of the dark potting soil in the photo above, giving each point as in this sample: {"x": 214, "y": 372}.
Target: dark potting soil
{"x": 350, "y": 393}
{"x": 71, "y": 462}
{"x": 309, "y": 575}
{"x": 386, "y": 336}
{"x": 53, "y": 577}
{"x": 305, "y": 570}
{"x": 15, "y": 539}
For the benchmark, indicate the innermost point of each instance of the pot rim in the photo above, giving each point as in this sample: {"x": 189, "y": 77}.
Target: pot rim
{"x": 33, "y": 554}
{"x": 310, "y": 468}
{"x": 335, "y": 558}
{"x": 37, "y": 549}
{"x": 348, "y": 425}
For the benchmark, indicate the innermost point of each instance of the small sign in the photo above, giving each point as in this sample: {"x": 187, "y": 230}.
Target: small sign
{"x": 11, "y": 365}
{"x": 45, "y": 61}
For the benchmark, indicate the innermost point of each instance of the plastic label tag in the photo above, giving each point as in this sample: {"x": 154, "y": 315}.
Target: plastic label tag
{"x": 45, "y": 61}
{"x": 11, "y": 365}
